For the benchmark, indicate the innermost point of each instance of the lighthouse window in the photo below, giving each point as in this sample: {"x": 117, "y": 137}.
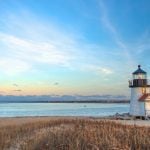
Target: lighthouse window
{"x": 139, "y": 76}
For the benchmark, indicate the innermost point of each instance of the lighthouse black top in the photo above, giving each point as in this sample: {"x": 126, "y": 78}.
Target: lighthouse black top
{"x": 139, "y": 71}
{"x": 139, "y": 79}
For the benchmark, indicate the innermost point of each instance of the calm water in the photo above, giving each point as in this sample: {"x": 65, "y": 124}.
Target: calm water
{"x": 61, "y": 109}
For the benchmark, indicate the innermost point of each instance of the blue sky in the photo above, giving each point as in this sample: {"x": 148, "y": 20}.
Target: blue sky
{"x": 71, "y": 47}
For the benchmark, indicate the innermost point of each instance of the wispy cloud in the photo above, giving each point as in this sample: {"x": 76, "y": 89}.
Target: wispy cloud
{"x": 12, "y": 66}
{"x": 33, "y": 43}
{"x": 142, "y": 44}
{"x": 37, "y": 42}
{"x": 114, "y": 32}
{"x": 17, "y": 90}
{"x": 46, "y": 52}
{"x": 98, "y": 69}
{"x": 106, "y": 70}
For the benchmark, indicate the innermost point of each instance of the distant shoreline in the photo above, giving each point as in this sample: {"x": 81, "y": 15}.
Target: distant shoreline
{"x": 86, "y": 101}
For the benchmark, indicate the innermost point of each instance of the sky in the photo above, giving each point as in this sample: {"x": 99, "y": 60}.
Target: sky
{"x": 74, "y": 47}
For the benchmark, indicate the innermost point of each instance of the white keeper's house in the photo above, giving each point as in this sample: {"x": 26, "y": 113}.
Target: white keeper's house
{"x": 140, "y": 94}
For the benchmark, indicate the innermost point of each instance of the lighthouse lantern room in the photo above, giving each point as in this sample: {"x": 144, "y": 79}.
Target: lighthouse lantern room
{"x": 140, "y": 94}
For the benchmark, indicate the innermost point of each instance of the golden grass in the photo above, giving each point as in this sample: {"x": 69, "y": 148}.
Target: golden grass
{"x": 74, "y": 134}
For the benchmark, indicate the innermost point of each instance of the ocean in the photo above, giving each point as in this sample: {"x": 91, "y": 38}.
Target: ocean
{"x": 62, "y": 109}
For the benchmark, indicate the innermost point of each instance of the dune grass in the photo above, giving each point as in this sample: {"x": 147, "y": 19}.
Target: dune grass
{"x": 74, "y": 134}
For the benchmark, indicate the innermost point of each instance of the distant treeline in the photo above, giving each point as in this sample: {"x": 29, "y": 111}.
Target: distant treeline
{"x": 100, "y": 101}
{"x": 64, "y": 99}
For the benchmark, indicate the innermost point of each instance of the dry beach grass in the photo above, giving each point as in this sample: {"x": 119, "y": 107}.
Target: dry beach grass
{"x": 69, "y": 133}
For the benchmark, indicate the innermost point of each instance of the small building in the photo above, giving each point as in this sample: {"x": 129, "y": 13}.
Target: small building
{"x": 140, "y": 94}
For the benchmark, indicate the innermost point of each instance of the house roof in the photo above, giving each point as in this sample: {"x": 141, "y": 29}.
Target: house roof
{"x": 139, "y": 71}
{"x": 145, "y": 97}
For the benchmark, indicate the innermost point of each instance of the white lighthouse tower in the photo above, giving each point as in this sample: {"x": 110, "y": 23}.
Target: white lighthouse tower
{"x": 140, "y": 94}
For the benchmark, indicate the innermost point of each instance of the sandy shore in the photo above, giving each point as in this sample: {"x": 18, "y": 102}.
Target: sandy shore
{"x": 24, "y": 120}
{"x": 134, "y": 122}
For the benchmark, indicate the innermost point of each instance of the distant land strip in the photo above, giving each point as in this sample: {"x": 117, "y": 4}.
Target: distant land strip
{"x": 83, "y": 101}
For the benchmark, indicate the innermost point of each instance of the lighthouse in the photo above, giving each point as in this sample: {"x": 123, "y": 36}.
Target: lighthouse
{"x": 140, "y": 94}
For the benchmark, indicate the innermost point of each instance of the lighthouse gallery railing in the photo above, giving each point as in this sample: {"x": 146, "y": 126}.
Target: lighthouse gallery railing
{"x": 139, "y": 83}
